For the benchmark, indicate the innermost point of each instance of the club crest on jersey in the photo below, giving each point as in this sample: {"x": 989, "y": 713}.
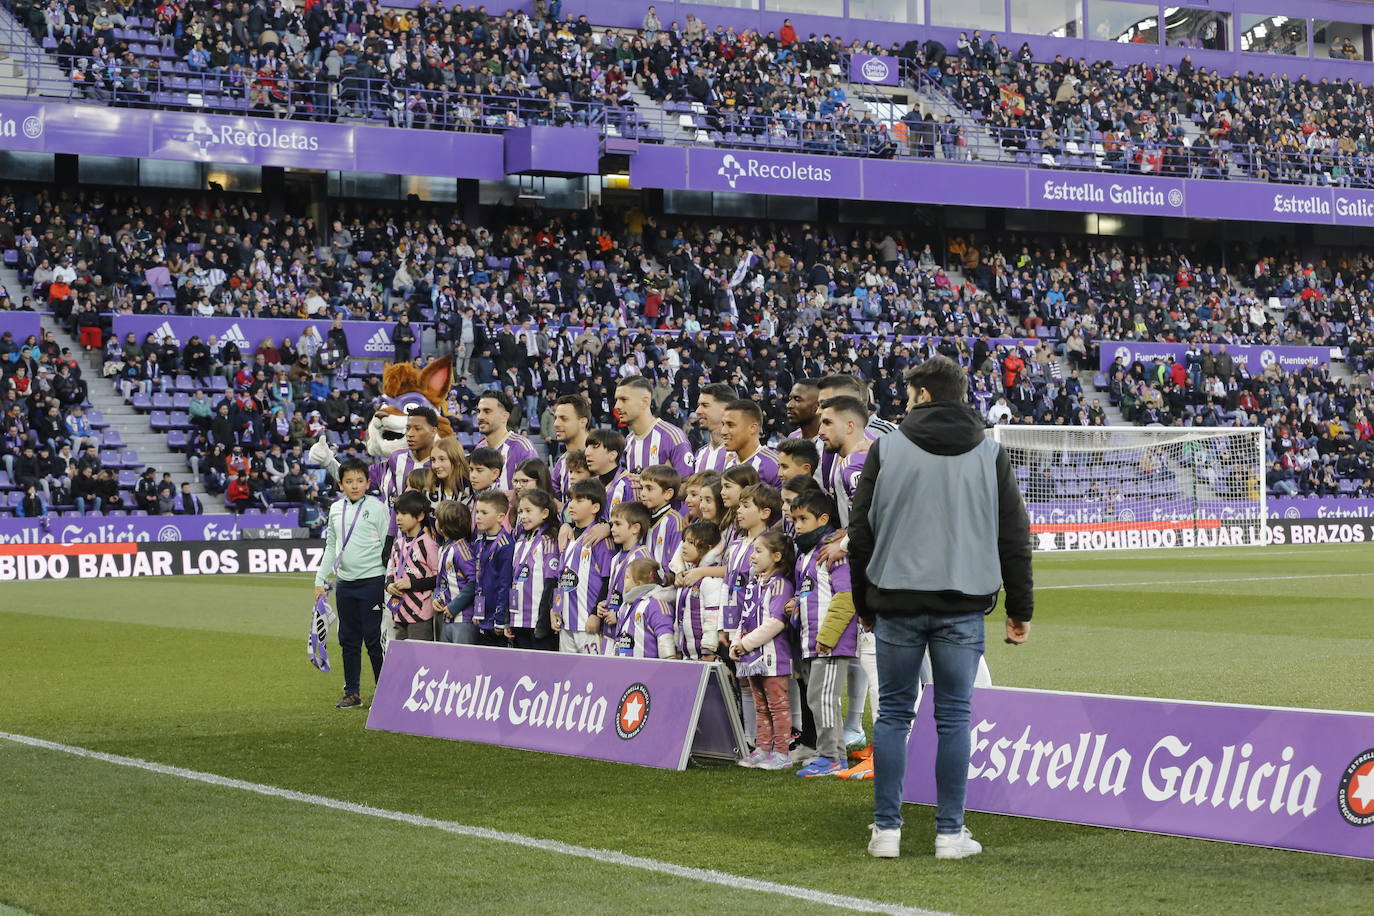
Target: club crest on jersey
{"x": 632, "y": 712}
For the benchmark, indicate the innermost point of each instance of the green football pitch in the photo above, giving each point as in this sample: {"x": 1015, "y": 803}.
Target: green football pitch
{"x": 210, "y": 675}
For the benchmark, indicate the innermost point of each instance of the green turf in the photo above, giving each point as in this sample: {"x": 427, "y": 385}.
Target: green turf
{"x": 210, "y": 674}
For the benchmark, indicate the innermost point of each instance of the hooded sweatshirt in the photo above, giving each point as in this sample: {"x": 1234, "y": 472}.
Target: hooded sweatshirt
{"x": 938, "y": 524}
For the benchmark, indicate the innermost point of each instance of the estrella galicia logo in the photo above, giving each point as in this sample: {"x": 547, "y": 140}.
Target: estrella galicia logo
{"x": 875, "y": 70}
{"x": 1356, "y": 795}
{"x": 632, "y": 711}
{"x": 169, "y": 533}
{"x": 1175, "y": 197}
{"x": 33, "y": 127}
{"x": 730, "y": 169}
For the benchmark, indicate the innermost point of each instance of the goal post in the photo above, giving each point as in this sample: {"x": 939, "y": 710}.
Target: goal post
{"x": 1127, "y": 487}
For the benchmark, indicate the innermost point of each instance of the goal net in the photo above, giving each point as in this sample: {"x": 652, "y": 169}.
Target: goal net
{"x": 1102, "y": 488}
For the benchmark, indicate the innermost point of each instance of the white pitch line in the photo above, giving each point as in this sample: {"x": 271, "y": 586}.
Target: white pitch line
{"x": 1165, "y": 583}
{"x": 703, "y": 875}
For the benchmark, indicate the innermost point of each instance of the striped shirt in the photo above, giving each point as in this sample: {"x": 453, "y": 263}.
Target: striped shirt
{"x": 645, "y": 621}
{"x": 844, "y": 480}
{"x": 817, "y": 584}
{"x": 765, "y": 461}
{"x": 416, "y": 558}
{"x": 390, "y": 478}
{"x": 698, "y": 613}
{"x": 534, "y": 562}
{"x": 582, "y": 580}
{"x": 515, "y": 449}
{"x": 615, "y": 579}
{"x": 457, "y": 569}
{"x": 712, "y": 458}
{"x": 665, "y": 534}
{"x": 619, "y": 490}
{"x": 767, "y": 601}
{"x": 663, "y": 444}
{"x": 877, "y": 424}
{"x": 738, "y": 578}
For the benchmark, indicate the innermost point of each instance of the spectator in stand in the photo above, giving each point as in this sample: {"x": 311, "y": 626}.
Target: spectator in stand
{"x": 145, "y": 491}
{"x": 187, "y": 503}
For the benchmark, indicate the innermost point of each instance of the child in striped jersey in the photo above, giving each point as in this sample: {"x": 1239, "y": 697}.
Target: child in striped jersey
{"x": 534, "y": 574}
{"x": 629, "y": 526}
{"x": 494, "y": 548}
{"x": 530, "y": 474}
{"x": 412, "y": 571}
{"x": 605, "y": 448}
{"x": 645, "y": 627}
{"x": 745, "y": 523}
{"x": 823, "y": 609}
{"x": 791, "y": 487}
{"x": 763, "y": 652}
{"x": 582, "y": 577}
{"x": 697, "y": 607}
{"x": 457, "y": 585}
{"x": 660, "y": 486}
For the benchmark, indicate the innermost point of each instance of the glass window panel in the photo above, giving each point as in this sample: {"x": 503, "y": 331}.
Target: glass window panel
{"x": 373, "y": 185}
{"x": 1205, "y": 29}
{"x": 1263, "y": 34}
{"x": 107, "y": 170}
{"x": 245, "y": 178}
{"x": 779, "y": 207}
{"x": 1060, "y": 18}
{"x": 810, "y": 7}
{"x": 687, "y": 203}
{"x": 443, "y": 190}
{"x": 164, "y": 173}
{"x": 1112, "y": 20}
{"x": 1339, "y": 40}
{"x": 18, "y": 166}
{"x": 912, "y": 11}
{"x": 969, "y": 14}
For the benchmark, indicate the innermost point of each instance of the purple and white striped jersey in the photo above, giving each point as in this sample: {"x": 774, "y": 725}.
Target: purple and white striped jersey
{"x": 457, "y": 568}
{"x": 738, "y": 579}
{"x": 844, "y": 480}
{"x": 562, "y": 481}
{"x": 535, "y": 560}
{"x": 645, "y": 622}
{"x": 698, "y": 610}
{"x": 515, "y": 448}
{"x": 615, "y": 577}
{"x": 663, "y": 444}
{"x": 767, "y": 600}
{"x": 765, "y": 461}
{"x": 619, "y": 490}
{"x": 711, "y": 458}
{"x": 389, "y": 479}
{"x": 665, "y": 534}
{"x": 817, "y": 584}
{"x": 582, "y": 579}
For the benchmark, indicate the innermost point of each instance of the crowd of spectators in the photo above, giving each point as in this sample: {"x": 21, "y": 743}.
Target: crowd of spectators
{"x": 543, "y": 304}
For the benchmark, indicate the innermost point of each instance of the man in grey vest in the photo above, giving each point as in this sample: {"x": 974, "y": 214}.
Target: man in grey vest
{"x": 937, "y": 529}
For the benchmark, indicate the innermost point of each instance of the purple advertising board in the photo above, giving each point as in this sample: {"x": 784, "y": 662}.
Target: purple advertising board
{"x": 96, "y": 130}
{"x": 629, "y": 710}
{"x": 750, "y": 172}
{"x": 365, "y": 338}
{"x": 1105, "y": 193}
{"x": 1253, "y": 359}
{"x": 21, "y": 325}
{"x": 163, "y": 528}
{"x": 875, "y": 69}
{"x": 1262, "y": 776}
{"x": 1320, "y": 507}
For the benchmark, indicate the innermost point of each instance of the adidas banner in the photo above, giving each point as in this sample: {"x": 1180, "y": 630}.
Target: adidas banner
{"x": 140, "y": 560}
{"x": 365, "y": 338}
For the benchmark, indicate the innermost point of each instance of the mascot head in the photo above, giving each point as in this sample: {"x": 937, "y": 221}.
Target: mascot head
{"x": 405, "y": 388}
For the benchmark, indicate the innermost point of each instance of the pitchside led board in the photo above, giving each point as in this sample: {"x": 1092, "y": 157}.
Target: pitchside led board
{"x": 1263, "y": 776}
{"x": 649, "y": 712}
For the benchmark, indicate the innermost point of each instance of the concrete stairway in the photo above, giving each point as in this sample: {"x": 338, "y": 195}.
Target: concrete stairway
{"x": 25, "y": 68}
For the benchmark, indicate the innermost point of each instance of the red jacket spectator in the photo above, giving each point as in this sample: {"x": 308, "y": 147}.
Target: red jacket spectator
{"x": 787, "y": 34}
{"x": 1011, "y": 370}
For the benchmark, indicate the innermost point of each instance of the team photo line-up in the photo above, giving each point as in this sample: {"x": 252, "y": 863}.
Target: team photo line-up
{"x": 798, "y": 565}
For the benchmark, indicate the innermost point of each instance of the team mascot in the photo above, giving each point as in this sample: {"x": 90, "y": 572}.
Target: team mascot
{"x": 404, "y": 388}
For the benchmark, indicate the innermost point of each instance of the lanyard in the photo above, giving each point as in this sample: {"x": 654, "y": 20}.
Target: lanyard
{"x": 338, "y": 559}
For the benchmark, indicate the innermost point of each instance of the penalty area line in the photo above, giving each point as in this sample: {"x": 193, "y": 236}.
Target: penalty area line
{"x": 608, "y": 856}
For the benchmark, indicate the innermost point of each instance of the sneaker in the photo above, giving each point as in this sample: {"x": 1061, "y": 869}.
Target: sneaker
{"x": 821, "y": 766}
{"x": 959, "y": 845}
{"x": 803, "y": 754}
{"x": 755, "y": 759}
{"x": 776, "y": 761}
{"x": 349, "y": 701}
{"x": 861, "y": 770}
{"x": 863, "y": 753}
{"x": 855, "y": 738}
{"x": 884, "y": 844}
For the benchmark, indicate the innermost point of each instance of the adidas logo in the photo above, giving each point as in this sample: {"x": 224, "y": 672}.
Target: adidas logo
{"x": 379, "y": 342}
{"x": 165, "y": 333}
{"x": 235, "y": 334}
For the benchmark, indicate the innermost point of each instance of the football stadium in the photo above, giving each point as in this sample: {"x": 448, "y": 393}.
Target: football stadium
{"x": 759, "y": 456}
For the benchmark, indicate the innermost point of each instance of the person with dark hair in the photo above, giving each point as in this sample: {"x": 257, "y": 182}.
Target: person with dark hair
{"x": 493, "y": 422}
{"x": 583, "y": 576}
{"x": 797, "y": 456}
{"x": 836, "y": 385}
{"x": 356, "y": 531}
{"x": 933, "y": 592}
{"x": 649, "y": 440}
{"x": 493, "y": 546}
{"x": 711, "y": 403}
{"x": 740, "y": 427}
{"x": 572, "y": 416}
{"x": 604, "y": 450}
{"x": 412, "y": 571}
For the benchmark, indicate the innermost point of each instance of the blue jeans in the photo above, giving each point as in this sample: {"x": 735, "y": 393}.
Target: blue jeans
{"x": 956, "y": 643}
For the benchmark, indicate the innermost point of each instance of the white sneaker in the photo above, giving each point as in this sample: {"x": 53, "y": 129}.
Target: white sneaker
{"x": 959, "y": 845}
{"x": 884, "y": 844}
